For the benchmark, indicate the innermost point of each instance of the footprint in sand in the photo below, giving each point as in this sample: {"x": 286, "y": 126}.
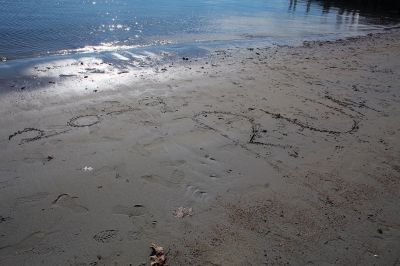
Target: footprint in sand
{"x": 106, "y": 236}
{"x": 4, "y": 219}
{"x": 177, "y": 176}
{"x": 7, "y": 178}
{"x": 135, "y": 234}
{"x": 175, "y": 163}
{"x": 196, "y": 193}
{"x": 31, "y": 199}
{"x": 130, "y": 211}
{"x": 173, "y": 180}
{"x": 140, "y": 217}
{"x": 66, "y": 201}
{"x": 33, "y": 242}
{"x": 117, "y": 171}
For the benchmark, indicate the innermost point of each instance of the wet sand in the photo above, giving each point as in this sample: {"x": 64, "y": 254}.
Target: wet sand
{"x": 286, "y": 155}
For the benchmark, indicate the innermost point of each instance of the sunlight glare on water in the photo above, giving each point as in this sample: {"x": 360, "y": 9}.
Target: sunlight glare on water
{"x": 32, "y": 27}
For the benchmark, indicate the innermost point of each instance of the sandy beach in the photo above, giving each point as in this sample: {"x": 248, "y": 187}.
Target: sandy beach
{"x": 285, "y": 155}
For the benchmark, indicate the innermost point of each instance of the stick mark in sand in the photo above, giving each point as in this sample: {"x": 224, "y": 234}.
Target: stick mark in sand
{"x": 84, "y": 121}
{"x": 306, "y": 126}
{"x": 75, "y": 122}
{"x": 40, "y": 134}
{"x": 255, "y": 129}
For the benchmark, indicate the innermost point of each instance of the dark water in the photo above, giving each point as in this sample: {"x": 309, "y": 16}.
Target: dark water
{"x": 36, "y": 27}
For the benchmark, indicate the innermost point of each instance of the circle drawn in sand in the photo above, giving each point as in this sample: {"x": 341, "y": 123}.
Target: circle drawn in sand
{"x": 32, "y": 133}
{"x": 84, "y": 121}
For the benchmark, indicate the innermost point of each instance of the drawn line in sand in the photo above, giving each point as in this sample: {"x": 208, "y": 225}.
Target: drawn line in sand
{"x": 306, "y": 126}
{"x": 75, "y": 122}
{"x": 39, "y": 134}
{"x": 347, "y": 103}
{"x": 255, "y": 132}
{"x": 78, "y": 121}
{"x": 334, "y": 108}
{"x": 84, "y": 121}
{"x": 292, "y": 151}
{"x": 255, "y": 129}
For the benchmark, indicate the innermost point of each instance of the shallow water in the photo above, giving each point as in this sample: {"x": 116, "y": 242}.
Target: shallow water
{"x": 36, "y": 27}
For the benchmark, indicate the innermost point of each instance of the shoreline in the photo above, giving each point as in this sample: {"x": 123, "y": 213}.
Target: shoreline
{"x": 148, "y": 58}
{"x": 258, "y": 41}
{"x": 285, "y": 154}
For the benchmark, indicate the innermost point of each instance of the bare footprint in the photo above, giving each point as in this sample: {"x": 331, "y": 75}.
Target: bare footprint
{"x": 116, "y": 171}
{"x": 66, "y": 201}
{"x": 135, "y": 234}
{"x": 175, "y": 163}
{"x": 31, "y": 199}
{"x": 175, "y": 179}
{"x": 31, "y": 243}
{"x": 196, "y": 193}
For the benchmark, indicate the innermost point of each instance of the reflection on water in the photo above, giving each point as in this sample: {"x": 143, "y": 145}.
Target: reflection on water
{"x": 31, "y": 27}
{"x": 367, "y": 8}
{"x": 372, "y": 11}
